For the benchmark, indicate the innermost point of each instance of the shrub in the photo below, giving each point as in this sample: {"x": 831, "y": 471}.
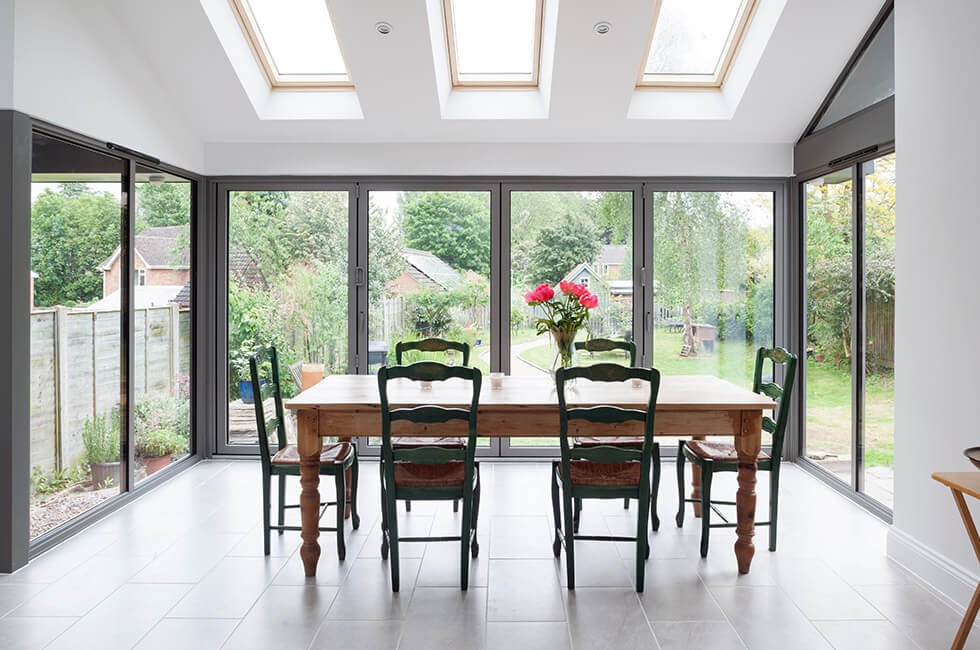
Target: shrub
{"x": 162, "y": 426}
{"x": 100, "y": 436}
{"x": 429, "y": 311}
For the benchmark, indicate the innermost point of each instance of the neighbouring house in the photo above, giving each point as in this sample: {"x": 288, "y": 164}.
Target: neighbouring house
{"x": 423, "y": 270}
{"x": 609, "y": 262}
{"x": 161, "y": 273}
{"x": 586, "y": 275}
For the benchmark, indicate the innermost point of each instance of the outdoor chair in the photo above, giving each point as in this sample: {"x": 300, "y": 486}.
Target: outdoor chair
{"x": 335, "y": 458}
{"x": 431, "y": 345}
{"x": 631, "y": 442}
{"x": 714, "y": 457}
{"x": 603, "y": 471}
{"x": 429, "y": 473}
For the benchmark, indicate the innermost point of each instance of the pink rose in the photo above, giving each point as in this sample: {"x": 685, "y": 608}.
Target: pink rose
{"x": 545, "y": 292}
{"x": 589, "y": 301}
{"x": 567, "y": 288}
{"x": 531, "y": 297}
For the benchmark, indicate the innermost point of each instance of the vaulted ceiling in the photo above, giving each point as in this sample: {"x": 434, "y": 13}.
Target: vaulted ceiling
{"x": 791, "y": 55}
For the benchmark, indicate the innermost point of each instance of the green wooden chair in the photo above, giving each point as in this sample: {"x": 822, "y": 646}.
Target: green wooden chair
{"x": 603, "y": 471}
{"x": 632, "y": 442}
{"x": 335, "y": 458}
{"x": 431, "y": 345}
{"x": 713, "y": 457}
{"x": 429, "y": 473}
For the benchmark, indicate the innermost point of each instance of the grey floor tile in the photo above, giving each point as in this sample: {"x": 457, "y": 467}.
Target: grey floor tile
{"x": 673, "y": 591}
{"x": 253, "y": 544}
{"x": 440, "y": 566}
{"x": 864, "y": 635}
{"x": 541, "y": 636}
{"x": 607, "y": 618}
{"x": 24, "y": 633}
{"x": 358, "y": 635}
{"x": 597, "y": 564}
{"x": 524, "y": 590}
{"x": 445, "y": 617}
{"x": 755, "y": 611}
{"x": 821, "y": 594}
{"x": 230, "y": 590}
{"x": 696, "y": 635}
{"x": 56, "y": 563}
{"x": 123, "y": 618}
{"x": 520, "y": 537}
{"x": 198, "y": 633}
{"x": 284, "y": 617}
{"x": 189, "y": 559}
{"x": 411, "y": 524}
{"x": 367, "y": 595}
{"x": 920, "y": 615}
{"x": 13, "y": 594}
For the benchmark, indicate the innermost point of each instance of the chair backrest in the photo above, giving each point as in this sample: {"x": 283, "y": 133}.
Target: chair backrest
{"x": 432, "y": 345}
{"x": 261, "y": 391}
{"x": 780, "y": 394}
{"x": 428, "y": 414}
{"x": 605, "y": 345}
{"x": 611, "y": 415}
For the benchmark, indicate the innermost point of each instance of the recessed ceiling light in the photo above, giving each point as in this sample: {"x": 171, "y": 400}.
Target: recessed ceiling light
{"x": 602, "y": 28}
{"x": 383, "y": 28}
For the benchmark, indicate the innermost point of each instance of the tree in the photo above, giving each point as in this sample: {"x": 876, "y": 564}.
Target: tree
{"x": 73, "y": 230}
{"x": 167, "y": 204}
{"x": 454, "y": 226}
{"x": 562, "y": 245}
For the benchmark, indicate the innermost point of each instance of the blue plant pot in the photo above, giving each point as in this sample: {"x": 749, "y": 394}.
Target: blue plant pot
{"x": 245, "y": 391}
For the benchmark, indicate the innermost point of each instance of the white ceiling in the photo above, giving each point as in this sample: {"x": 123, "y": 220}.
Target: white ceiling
{"x": 776, "y": 84}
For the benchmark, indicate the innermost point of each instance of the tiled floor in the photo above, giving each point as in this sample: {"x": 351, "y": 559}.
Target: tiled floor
{"x": 183, "y": 567}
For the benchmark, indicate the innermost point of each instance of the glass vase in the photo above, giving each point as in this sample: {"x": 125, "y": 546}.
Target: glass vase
{"x": 563, "y": 344}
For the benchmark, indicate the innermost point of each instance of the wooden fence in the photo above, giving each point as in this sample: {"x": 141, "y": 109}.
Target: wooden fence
{"x": 879, "y": 327}
{"x": 75, "y": 371}
{"x": 396, "y": 319}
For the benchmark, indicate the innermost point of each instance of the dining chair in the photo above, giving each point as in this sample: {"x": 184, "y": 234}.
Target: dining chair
{"x": 431, "y": 345}
{"x": 335, "y": 459}
{"x": 632, "y": 442}
{"x": 429, "y": 473}
{"x": 603, "y": 471}
{"x": 714, "y": 457}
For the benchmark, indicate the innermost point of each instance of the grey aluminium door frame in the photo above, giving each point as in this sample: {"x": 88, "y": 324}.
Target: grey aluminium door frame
{"x": 559, "y": 184}
{"x": 220, "y": 189}
{"x": 361, "y": 313}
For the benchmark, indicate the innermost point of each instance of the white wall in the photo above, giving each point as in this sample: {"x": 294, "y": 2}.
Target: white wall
{"x": 938, "y": 309}
{"x": 6, "y": 54}
{"x": 75, "y": 67}
{"x": 586, "y": 159}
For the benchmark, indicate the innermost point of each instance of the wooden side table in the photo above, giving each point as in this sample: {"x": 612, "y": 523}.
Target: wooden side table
{"x": 961, "y": 483}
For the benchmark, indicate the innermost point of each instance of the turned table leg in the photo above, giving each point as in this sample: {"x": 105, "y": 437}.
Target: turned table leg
{"x": 696, "y": 483}
{"x": 747, "y": 445}
{"x": 310, "y": 445}
{"x": 971, "y": 611}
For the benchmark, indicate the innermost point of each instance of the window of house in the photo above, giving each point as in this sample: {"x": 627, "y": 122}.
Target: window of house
{"x": 140, "y": 277}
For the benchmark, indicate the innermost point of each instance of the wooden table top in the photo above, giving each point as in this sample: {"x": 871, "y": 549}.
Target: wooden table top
{"x": 965, "y": 482}
{"x": 677, "y": 393}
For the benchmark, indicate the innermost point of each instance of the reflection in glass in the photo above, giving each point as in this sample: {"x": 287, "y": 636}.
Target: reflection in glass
{"x": 162, "y": 330}
{"x": 879, "y": 323}
{"x": 287, "y": 287}
{"x": 829, "y": 270}
{"x": 690, "y": 36}
{"x": 76, "y": 347}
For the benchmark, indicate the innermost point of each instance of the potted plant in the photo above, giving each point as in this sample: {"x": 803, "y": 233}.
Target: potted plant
{"x": 564, "y": 316}
{"x": 157, "y": 447}
{"x": 239, "y": 362}
{"x": 159, "y": 432}
{"x": 100, "y": 437}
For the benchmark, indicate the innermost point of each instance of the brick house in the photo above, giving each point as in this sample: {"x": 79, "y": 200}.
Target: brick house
{"x": 162, "y": 258}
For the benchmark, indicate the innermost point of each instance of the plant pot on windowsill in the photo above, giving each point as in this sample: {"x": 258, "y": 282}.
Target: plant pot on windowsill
{"x": 245, "y": 391}
{"x": 105, "y": 474}
{"x": 155, "y": 464}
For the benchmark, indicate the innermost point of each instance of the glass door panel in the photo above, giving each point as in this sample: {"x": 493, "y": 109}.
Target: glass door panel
{"x": 879, "y": 329}
{"x": 712, "y": 282}
{"x": 428, "y": 275}
{"x": 287, "y": 287}
{"x": 828, "y": 307}
{"x": 584, "y": 237}
{"x": 163, "y": 328}
{"x": 77, "y": 208}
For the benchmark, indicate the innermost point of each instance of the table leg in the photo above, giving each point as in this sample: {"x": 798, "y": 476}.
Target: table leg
{"x": 310, "y": 445}
{"x": 747, "y": 445}
{"x": 696, "y": 483}
{"x": 971, "y": 611}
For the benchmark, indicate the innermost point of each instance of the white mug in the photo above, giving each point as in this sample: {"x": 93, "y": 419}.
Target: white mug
{"x": 496, "y": 380}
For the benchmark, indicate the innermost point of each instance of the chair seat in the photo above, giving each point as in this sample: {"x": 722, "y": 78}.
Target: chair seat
{"x": 444, "y": 443}
{"x": 587, "y": 472}
{"x": 719, "y": 452}
{"x": 617, "y": 441}
{"x": 450, "y": 474}
{"x": 332, "y": 454}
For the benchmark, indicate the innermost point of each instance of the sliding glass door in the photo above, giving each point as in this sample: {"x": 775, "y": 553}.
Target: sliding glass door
{"x": 849, "y": 314}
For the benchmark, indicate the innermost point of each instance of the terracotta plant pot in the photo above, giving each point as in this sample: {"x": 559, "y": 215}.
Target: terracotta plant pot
{"x": 819, "y": 358}
{"x": 153, "y": 465}
{"x": 102, "y": 472}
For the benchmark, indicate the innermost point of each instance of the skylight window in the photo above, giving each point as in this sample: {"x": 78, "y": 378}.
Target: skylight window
{"x": 493, "y": 44}
{"x": 294, "y": 42}
{"x": 693, "y": 42}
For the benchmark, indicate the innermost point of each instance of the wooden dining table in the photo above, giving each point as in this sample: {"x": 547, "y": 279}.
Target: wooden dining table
{"x": 348, "y": 406}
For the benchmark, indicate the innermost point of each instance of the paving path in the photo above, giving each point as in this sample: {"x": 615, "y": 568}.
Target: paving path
{"x": 518, "y": 366}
